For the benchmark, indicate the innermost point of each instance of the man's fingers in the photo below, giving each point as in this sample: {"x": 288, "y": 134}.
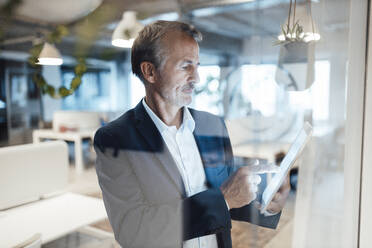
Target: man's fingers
{"x": 274, "y": 207}
{"x": 253, "y": 188}
{"x": 277, "y": 197}
{"x": 254, "y": 196}
{"x": 258, "y": 169}
{"x": 254, "y": 179}
{"x": 264, "y": 168}
{"x": 257, "y": 205}
{"x": 285, "y": 187}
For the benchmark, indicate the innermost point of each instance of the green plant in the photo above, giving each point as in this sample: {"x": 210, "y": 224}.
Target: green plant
{"x": 88, "y": 31}
{"x": 80, "y": 68}
{"x": 295, "y": 32}
{"x": 291, "y": 34}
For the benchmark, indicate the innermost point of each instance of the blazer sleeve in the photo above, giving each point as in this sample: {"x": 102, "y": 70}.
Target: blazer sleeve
{"x": 247, "y": 213}
{"x": 205, "y": 213}
{"x": 136, "y": 222}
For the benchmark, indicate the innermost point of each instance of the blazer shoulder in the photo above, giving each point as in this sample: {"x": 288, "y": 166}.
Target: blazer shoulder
{"x": 204, "y": 116}
{"x": 207, "y": 124}
{"x": 108, "y": 135}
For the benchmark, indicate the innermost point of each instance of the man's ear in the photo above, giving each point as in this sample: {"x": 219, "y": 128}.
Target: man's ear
{"x": 148, "y": 71}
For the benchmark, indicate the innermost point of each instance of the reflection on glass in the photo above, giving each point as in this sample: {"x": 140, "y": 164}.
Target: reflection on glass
{"x": 262, "y": 119}
{"x": 92, "y": 94}
{"x": 24, "y": 109}
{"x": 137, "y": 91}
{"x": 209, "y": 97}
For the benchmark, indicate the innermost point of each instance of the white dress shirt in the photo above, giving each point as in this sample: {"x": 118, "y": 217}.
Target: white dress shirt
{"x": 182, "y": 146}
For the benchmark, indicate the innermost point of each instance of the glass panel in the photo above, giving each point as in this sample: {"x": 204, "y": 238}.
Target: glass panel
{"x": 137, "y": 91}
{"x": 92, "y": 94}
{"x": 264, "y": 115}
{"x": 24, "y": 107}
{"x": 209, "y": 98}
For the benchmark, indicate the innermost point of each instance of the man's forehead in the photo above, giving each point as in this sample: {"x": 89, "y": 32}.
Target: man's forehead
{"x": 172, "y": 36}
{"x": 180, "y": 47}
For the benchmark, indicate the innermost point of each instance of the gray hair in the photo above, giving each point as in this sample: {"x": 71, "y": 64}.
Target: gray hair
{"x": 147, "y": 46}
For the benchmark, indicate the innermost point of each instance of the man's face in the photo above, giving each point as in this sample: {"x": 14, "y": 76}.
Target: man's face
{"x": 177, "y": 76}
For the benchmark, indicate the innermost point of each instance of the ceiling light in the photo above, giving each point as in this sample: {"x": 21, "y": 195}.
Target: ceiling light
{"x": 55, "y": 11}
{"x": 126, "y": 31}
{"x": 123, "y": 43}
{"x": 49, "y": 55}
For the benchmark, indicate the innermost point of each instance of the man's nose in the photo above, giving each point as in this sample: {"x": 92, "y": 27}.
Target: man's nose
{"x": 196, "y": 76}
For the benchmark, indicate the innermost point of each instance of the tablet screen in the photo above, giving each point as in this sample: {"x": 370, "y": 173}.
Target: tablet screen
{"x": 288, "y": 161}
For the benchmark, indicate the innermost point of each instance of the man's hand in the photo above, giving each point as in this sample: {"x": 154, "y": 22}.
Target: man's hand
{"x": 279, "y": 199}
{"x": 240, "y": 188}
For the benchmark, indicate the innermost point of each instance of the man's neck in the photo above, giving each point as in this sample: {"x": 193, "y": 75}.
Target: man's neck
{"x": 171, "y": 115}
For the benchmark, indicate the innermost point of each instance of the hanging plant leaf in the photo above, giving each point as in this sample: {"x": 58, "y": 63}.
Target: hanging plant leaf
{"x": 40, "y": 81}
{"x": 283, "y": 30}
{"x": 62, "y": 30}
{"x": 63, "y": 91}
{"x": 32, "y": 61}
{"x": 36, "y": 50}
{"x": 88, "y": 31}
{"x": 75, "y": 83}
{"x": 294, "y": 33}
{"x": 80, "y": 69}
{"x": 50, "y": 90}
{"x": 57, "y": 35}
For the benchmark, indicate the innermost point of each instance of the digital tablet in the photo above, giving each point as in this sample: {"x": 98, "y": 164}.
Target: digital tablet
{"x": 289, "y": 160}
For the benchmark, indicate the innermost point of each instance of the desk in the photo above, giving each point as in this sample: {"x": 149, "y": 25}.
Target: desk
{"x": 53, "y": 218}
{"x": 77, "y": 137}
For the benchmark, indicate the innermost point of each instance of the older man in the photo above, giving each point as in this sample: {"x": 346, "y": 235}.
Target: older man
{"x": 166, "y": 171}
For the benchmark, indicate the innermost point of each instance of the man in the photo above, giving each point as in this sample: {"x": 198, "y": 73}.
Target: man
{"x": 166, "y": 171}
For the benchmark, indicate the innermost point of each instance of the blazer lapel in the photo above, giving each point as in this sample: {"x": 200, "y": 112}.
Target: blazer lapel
{"x": 198, "y": 136}
{"x": 211, "y": 150}
{"x": 151, "y": 134}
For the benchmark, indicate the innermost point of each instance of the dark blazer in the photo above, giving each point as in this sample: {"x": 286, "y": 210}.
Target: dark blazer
{"x": 138, "y": 175}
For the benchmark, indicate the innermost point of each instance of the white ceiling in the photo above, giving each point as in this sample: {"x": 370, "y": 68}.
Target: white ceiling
{"x": 226, "y": 24}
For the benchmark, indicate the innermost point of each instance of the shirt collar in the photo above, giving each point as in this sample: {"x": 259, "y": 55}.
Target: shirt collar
{"x": 188, "y": 120}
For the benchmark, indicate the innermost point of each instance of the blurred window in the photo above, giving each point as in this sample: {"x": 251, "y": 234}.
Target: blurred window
{"x": 137, "y": 90}
{"x": 260, "y": 89}
{"x": 258, "y": 85}
{"x": 317, "y": 97}
{"x": 209, "y": 99}
{"x": 92, "y": 94}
